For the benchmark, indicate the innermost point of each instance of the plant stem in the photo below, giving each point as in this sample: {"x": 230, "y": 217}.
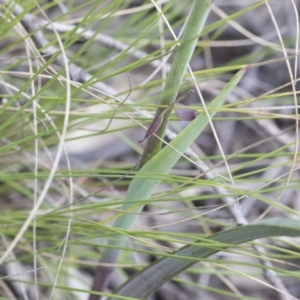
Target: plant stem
{"x": 194, "y": 26}
{"x": 182, "y": 58}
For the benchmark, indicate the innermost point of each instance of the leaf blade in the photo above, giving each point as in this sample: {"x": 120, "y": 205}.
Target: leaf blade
{"x": 151, "y": 278}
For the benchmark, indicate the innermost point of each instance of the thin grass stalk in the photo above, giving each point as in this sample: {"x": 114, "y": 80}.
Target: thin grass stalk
{"x": 194, "y": 26}
{"x": 188, "y": 42}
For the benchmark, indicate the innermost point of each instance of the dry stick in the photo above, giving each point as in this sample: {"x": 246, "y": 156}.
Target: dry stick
{"x": 19, "y": 274}
{"x": 259, "y": 40}
{"x": 78, "y": 74}
{"x": 269, "y": 274}
{"x": 101, "y": 38}
{"x": 30, "y": 22}
{"x": 296, "y": 110}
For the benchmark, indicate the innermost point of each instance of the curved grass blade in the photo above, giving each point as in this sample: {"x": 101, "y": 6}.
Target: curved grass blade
{"x": 147, "y": 281}
{"x": 161, "y": 163}
{"x": 194, "y": 26}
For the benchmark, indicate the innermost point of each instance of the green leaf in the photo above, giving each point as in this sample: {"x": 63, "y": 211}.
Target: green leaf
{"x": 188, "y": 42}
{"x": 141, "y": 188}
{"x": 161, "y": 163}
{"x": 145, "y": 282}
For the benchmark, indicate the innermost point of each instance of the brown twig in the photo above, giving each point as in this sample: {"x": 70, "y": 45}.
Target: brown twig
{"x": 102, "y": 39}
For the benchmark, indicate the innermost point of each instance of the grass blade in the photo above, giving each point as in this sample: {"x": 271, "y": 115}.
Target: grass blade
{"x": 194, "y": 26}
{"x": 141, "y": 188}
{"x": 145, "y": 282}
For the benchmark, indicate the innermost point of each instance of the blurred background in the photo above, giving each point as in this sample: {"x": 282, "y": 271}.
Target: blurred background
{"x": 119, "y": 50}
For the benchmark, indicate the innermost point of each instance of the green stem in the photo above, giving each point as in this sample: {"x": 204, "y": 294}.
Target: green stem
{"x": 194, "y": 26}
{"x": 182, "y": 58}
{"x": 148, "y": 280}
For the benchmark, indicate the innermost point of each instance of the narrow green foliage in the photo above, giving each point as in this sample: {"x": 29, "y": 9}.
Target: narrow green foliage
{"x": 104, "y": 41}
{"x": 194, "y": 26}
{"x": 145, "y": 282}
{"x": 164, "y": 160}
